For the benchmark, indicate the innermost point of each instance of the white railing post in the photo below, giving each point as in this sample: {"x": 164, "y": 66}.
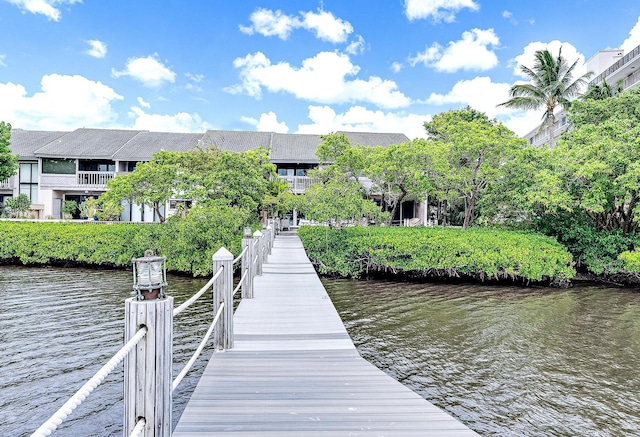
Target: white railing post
{"x": 148, "y": 368}
{"x": 257, "y": 236}
{"x": 264, "y": 249}
{"x": 223, "y": 295}
{"x": 269, "y": 238}
{"x": 247, "y": 264}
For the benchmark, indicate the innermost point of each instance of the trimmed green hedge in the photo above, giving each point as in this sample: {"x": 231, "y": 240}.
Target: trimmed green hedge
{"x": 187, "y": 244}
{"x": 477, "y": 253}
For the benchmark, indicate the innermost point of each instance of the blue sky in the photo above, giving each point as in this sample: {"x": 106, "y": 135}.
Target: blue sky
{"x": 284, "y": 66}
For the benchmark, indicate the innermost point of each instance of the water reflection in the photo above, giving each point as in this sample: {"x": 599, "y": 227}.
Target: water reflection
{"x": 506, "y": 361}
{"x": 58, "y": 327}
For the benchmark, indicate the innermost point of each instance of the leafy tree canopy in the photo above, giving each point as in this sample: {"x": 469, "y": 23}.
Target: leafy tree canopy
{"x": 468, "y": 153}
{"x": 8, "y": 161}
{"x": 596, "y": 165}
{"x": 206, "y": 176}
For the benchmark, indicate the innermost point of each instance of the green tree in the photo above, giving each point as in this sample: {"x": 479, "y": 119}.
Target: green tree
{"x": 151, "y": 183}
{"x": 17, "y": 206}
{"x": 550, "y": 84}
{"x": 339, "y": 201}
{"x": 595, "y": 167}
{"x": 603, "y": 91}
{"x": 398, "y": 173}
{"x": 338, "y": 153}
{"x": 8, "y": 162}
{"x": 205, "y": 176}
{"x": 468, "y": 153}
{"x": 69, "y": 207}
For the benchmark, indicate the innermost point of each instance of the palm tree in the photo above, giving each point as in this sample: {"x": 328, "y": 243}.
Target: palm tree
{"x": 603, "y": 91}
{"x": 550, "y": 84}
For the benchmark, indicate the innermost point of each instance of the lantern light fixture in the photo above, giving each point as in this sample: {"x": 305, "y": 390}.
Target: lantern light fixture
{"x": 150, "y": 276}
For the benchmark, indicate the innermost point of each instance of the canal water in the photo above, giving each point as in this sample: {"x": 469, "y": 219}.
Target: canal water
{"x": 60, "y": 326}
{"x": 505, "y": 361}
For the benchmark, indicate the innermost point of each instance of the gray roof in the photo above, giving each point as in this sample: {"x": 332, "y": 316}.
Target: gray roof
{"x": 145, "y": 144}
{"x": 137, "y": 145}
{"x": 88, "y": 144}
{"x": 237, "y": 141}
{"x": 375, "y": 139}
{"x": 298, "y": 148}
{"x": 26, "y": 142}
{"x": 301, "y": 148}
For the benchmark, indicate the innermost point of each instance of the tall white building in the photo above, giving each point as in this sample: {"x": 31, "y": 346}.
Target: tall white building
{"x": 612, "y": 66}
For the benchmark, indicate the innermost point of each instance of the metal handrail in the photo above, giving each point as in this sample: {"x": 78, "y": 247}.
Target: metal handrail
{"x": 63, "y": 412}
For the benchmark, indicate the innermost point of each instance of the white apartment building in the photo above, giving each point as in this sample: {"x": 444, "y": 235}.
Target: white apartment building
{"x": 612, "y": 66}
{"x": 58, "y": 166}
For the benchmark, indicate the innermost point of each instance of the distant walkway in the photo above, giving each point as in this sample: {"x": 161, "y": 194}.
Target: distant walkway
{"x": 294, "y": 370}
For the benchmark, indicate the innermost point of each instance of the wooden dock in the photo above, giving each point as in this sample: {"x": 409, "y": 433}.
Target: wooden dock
{"x": 294, "y": 370}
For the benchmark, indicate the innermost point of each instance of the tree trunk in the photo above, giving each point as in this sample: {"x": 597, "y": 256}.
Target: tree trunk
{"x": 551, "y": 127}
{"x": 468, "y": 214}
{"x": 396, "y": 205}
{"x": 156, "y": 207}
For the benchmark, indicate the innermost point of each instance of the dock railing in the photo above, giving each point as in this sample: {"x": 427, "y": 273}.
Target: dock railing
{"x": 148, "y": 348}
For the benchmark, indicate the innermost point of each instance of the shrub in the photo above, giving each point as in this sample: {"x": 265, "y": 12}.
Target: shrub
{"x": 473, "y": 253}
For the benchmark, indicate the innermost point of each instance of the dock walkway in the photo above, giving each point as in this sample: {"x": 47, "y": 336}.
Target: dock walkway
{"x": 294, "y": 371}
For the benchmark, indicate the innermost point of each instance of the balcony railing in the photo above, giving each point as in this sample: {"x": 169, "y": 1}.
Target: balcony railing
{"x": 5, "y": 183}
{"x": 298, "y": 184}
{"x": 94, "y": 178}
{"x": 616, "y": 66}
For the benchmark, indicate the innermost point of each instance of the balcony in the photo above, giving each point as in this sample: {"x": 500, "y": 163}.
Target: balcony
{"x": 94, "y": 179}
{"x": 298, "y": 184}
{"x": 6, "y": 184}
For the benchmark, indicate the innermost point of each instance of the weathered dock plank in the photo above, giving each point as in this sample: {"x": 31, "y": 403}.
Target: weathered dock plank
{"x": 294, "y": 370}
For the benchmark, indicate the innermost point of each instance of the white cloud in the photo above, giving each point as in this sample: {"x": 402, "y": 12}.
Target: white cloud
{"x": 508, "y": 15}
{"x": 634, "y": 38}
{"x": 268, "y": 123}
{"x": 484, "y": 95}
{"x": 269, "y": 23}
{"x": 472, "y": 52}
{"x": 2, "y": 58}
{"x": 197, "y": 78}
{"x": 396, "y": 67}
{"x": 98, "y": 48}
{"x": 45, "y": 7}
{"x": 356, "y": 47}
{"x": 179, "y": 122}
{"x": 480, "y": 93}
{"x": 142, "y": 103}
{"x": 438, "y": 10}
{"x": 326, "y": 26}
{"x": 322, "y": 79}
{"x": 149, "y": 71}
{"x": 359, "y": 119}
{"x": 64, "y": 103}
{"x": 569, "y": 52}
{"x": 323, "y": 24}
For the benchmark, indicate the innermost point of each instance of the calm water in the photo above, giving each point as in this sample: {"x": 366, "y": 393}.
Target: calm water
{"x": 58, "y": 327}
{"x": 506, "y": 361}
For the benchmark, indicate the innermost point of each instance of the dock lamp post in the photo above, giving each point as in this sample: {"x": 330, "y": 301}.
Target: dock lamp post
{"x": 150, "y": 276}
{"x": 147, "y": 367}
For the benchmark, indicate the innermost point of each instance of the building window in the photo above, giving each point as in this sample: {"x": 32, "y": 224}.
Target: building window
{"x": 97, "y": 165}
{"x": 29, "y": 180}
{"x": 58, "y": 166}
